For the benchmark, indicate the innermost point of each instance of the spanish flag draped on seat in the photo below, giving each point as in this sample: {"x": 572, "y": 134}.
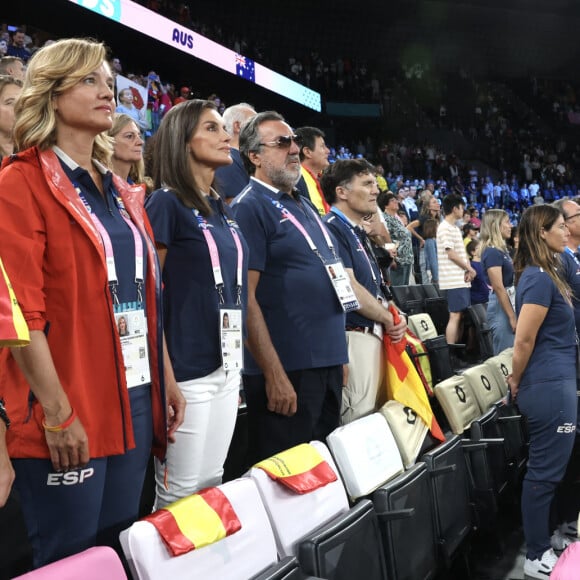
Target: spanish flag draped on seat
{"x": 13, "y": 327}
{"x": 404, "y": 384}
{"x": 301, "y": 469}
{"x": 195, "y": 521}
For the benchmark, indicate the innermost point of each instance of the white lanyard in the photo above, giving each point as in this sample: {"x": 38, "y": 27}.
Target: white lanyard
{"x": 215, "y": 257}
{"x": 109, "y": 252}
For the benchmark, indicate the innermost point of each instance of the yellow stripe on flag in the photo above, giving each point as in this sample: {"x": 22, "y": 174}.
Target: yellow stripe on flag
{"x": 197, "y": 520}
{"x": 13, "y": 327}
{"x": 302, "y": 469}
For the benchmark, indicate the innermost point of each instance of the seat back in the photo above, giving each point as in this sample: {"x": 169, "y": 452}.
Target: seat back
{"x": 502, "y": 364}
{"x": 407, "y": 428}
{"x": 458, "y": 403}
{"x": 436, "y": 306}
{"x": 347, "y": 547}
{"x": 406, "y": 522}
{"x": 484, "y": 384}
{"x": 366, "y": 454}
{"x": 450, "y": 493}
{"x": 92, "y": 564}
{"x": 241, "y": 555}
{"x": 423, "y": 327}
{"x": 293, "y": 515}
{"x": 286, "y": 569}
{"x": 478, "y": 315}
{"x": 408, "y": 298}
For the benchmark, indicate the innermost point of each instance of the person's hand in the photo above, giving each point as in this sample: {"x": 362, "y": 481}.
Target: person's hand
{"x": 372, "y": 225}
{"x": 69, "y": 448}
{"x": 175, "y": 408}
{"x": 397, "y": 331}
{"x": 6, "y": 470}
{"x": 470, "y": 274}
{"x": 514, "y": 387}
{"x": 281, "y": 395}
{"x": 421, "y": 243}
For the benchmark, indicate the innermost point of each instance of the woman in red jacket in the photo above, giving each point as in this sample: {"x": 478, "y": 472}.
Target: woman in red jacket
{"x": 86, "y": 405}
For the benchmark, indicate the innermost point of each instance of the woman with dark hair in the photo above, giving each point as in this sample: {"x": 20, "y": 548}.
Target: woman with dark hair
{"x": 86, "y": 407}
{"x": 544, "y": 377}
{"x": 204, "y": 260}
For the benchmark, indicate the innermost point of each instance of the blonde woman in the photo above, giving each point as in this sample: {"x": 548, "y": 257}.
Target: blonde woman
{"x": 9, "y": 91}
{"x": 499, "y": 276}
{"x": 77, "y": 244}
{"x": 544, "y": 377}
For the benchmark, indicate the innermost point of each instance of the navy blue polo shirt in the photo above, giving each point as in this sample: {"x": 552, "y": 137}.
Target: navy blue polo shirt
{"x": 554, "y": 354}
{"x": 190, "y": 300}
{"x": 121, "y": 235}
{"x": 492, "y": 257}
{"x": 353, "y": 256}
{"x": 571, "y": 266}
{"x": 301, "y": 310}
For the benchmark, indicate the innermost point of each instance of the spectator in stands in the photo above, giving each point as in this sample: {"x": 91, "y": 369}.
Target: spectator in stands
{"x": 430, "y": 209}
{"x": 17, "y": 46}
{"x": 127, "y": 159}
{"x": 296, "y": 345}
{"x": 91, "y": 417}
{"x": 455, "y": 271}
{"x": 430, "y": 250}
{"x": 184, "y": 94}
{"x": 314, "y": 159}
{"x": 13, "y": 66}
{"x": 543, "y": 379}
{"x": 400, "y": 235}
{"x": 6, "y": 469}
{"x": 351, "y": 190}
{"x": 127, "y": 107}
{"x": 470, "y": 233}
{"x": 232, "y": 179}
{"x": 498, "y": 270}
{"x": 9, "y": 91}
{"x": 479, "y": 291}
{"x": 193, "y": 226}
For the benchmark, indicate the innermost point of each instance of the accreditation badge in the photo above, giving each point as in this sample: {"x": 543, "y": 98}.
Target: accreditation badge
{"x": 342, "y": 286}
{"x": 231, "y": 338}
{"x": 132, "y": 329}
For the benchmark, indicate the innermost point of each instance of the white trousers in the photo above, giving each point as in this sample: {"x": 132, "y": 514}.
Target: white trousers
{"x": 196, "y": 459}
{"x": 365, "y": 389}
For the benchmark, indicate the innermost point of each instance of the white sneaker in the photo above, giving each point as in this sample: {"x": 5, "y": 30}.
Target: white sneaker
{"x": 541, "y": 568}
{"x": 560, "y": 541}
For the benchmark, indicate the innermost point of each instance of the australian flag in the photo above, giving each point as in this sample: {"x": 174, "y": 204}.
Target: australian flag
{"x": 245, "y": 68}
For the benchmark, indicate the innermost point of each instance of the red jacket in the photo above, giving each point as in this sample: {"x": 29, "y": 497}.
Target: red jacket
{"x": 55, "y": 259}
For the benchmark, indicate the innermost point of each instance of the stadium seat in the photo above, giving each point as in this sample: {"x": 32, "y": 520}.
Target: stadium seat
{"x": 477, "y": 314}
{"x": 368, "y": 458}
{"x": 286, "y": 569}
{"x": 408, "y": 298}
{"x": 436, "y": 306}
{"x": 483, "y": 382}
{"x": 92, "y": 564}
{"x": 240, "y": 556}
{"x": 293, "y": 515}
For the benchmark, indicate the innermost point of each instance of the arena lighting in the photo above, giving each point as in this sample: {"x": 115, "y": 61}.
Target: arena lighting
{"x": 171, "y": 33}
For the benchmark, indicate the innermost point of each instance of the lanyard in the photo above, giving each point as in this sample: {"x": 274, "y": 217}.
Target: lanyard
{"x": 109, "y": 253}
{"x": 364, "y": 250}
{"x": 204, "y": 226}
{"x": 294, "y": 221}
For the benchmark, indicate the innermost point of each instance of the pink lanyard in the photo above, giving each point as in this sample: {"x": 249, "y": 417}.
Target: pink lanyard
{"x": 294, "y": 221}
{"x": 215, "y": 257}
{"x": 109, "y": 253}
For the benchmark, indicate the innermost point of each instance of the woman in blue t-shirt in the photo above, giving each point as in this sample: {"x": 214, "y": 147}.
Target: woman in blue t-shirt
{"x": 204, "y": 259}
{"x": 543, "y": 377}
{"x": 499, "y": 275}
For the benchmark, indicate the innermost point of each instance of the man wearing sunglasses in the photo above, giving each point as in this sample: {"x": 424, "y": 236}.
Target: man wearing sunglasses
{"x": 296, "y": 344}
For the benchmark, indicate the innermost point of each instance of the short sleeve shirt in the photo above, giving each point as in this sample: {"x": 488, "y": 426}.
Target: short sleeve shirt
{"x": 450, "y": 274}
{"x": 554, "y": 354}
{"x": 303, "y": 315}
{"x": 491, "y": 258}
{"x": 190, "y": 298}
{"x": 353, "y": 255}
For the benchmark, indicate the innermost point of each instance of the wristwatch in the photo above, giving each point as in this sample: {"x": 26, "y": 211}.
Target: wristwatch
{"x": 3, "y": 414}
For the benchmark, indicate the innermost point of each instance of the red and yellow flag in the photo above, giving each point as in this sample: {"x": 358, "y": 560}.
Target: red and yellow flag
{"x": 301, "y": 469}
{"x": 195, "y": 521}
{"x": 13, "y": 327}
{"x": 405, "y": 385}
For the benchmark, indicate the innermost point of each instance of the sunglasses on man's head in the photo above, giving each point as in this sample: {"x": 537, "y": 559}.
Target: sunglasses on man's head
{"x": 284, "y": 141}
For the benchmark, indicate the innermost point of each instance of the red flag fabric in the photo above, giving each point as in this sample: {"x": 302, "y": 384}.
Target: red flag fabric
{"x": 403, "y": 381}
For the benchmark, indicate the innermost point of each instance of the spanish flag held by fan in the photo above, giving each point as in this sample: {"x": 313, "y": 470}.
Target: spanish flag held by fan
{"x": 403, "y": 382}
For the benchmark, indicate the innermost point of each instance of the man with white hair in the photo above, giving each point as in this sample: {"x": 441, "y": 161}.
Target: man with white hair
{"x": 231, "y": 179}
